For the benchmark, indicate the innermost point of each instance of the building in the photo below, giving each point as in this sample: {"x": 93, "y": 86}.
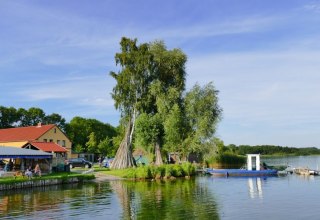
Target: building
{"x": 48, "y": 138}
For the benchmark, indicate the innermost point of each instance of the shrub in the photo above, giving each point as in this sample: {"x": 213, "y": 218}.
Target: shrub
{"x": 188, "y": 169}
{"x": 131, "y": 173}
{"x": 177, "y": 170}
{"x": 168, "y": 171}
{"x": 227, "y": 160}
{"x": 161, "y": 171}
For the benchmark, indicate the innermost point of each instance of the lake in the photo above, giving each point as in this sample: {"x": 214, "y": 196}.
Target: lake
{"x": 204, "y": 197}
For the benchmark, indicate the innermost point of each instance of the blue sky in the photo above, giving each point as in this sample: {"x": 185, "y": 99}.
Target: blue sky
{"x": 263, "y": 57}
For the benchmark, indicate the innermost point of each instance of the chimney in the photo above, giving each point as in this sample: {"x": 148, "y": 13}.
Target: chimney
{"x": 39, "y": 125}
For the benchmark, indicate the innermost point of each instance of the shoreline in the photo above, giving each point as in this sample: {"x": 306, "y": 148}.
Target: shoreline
{"x": 99, "y": 177}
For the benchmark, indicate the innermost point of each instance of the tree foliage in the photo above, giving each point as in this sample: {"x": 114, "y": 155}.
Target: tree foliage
{"x": 150, "y": 95}
{"x": 202, "y": 115}
{"x": 88, "y": 133}
{"x": 11, "y": 117}
{"x": 130, "y": 92}
{"x": 273, "y": 150}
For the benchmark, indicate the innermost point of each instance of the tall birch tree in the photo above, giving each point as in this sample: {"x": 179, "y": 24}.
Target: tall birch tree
{"x": 130, "y": 93}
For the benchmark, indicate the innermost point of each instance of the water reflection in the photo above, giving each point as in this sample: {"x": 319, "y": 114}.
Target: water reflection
{"x": 165, "y": 200}
{"x": 66, "y": 202}
{"x": 177, "y": 199}
{"x": 255, "y": 187}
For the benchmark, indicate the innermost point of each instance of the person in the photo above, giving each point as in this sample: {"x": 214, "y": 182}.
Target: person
{"x": 28, "y": 173}
{"x": 100, "y": 161}
{"x": 10, "y": 165}
{"x": 37, "y": 170}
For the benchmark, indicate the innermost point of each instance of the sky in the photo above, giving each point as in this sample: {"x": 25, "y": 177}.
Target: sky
{"x": 262, "y": 56}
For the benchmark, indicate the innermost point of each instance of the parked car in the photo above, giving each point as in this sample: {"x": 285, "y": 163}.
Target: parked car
{"x": 106, "y": 162}
{"x": 79, "y": 162}
{"x": 2, "y": 163}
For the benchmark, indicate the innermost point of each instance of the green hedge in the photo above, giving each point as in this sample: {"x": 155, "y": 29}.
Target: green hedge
{"x": 157, "y": 172}
{"x": 226, "y": 160}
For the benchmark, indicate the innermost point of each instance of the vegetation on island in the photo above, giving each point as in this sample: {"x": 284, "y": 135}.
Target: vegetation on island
{"x": 165, "y": 171}
{"x": 156, "y": 111}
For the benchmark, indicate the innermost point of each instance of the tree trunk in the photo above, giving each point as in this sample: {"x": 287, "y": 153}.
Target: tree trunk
{"x": 124, "y": 158}
{"x": 157, "y": 152}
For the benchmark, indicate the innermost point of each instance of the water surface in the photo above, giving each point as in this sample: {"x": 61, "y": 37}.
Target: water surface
{"x": 205, "y": 197}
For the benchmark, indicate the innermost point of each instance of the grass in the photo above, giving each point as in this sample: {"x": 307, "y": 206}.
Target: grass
{"x": 154, "y": 172}
{"x": 226, "y": 160}
{"x": 58, "y": 175}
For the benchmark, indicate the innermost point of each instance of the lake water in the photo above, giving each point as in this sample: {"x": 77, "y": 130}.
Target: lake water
{"x": 205, "y": 197}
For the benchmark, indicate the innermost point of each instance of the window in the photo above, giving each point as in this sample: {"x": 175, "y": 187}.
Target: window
{"x": 63, "y": 143}
{"x": 55, "y": 130}
{"x": 51, "y": 140}
{"x": 58, "y": 142}
{"x": 45, "y": 140}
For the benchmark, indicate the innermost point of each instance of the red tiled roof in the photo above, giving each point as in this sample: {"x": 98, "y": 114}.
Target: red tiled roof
{"x": 48, "y": 147}
{"x": 24, "y": 133}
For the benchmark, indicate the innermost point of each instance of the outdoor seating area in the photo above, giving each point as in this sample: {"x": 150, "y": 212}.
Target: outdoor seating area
{"x": 25, "y": 163}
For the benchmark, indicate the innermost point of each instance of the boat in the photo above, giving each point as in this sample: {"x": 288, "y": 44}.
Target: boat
{"x": 305, "y": 171}
{"x": 239, "y": 172}
{"x": 253, "y": 169}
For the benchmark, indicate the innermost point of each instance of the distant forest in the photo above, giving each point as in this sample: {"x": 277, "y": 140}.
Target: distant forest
{"x": 91, "y": 135}
{"x": 272, "y": 150}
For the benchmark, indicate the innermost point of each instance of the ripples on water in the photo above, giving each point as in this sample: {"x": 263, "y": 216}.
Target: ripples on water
{"x": 112, "y": 200}
{"x": 290, "y": 197}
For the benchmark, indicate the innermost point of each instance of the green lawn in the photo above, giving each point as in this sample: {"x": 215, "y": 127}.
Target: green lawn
{"x": 58, "y": 175}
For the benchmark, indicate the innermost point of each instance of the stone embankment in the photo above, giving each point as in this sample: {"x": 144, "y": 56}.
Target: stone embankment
{"x": 39, "y": 182}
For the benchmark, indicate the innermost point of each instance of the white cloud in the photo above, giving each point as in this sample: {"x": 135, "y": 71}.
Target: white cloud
{"x": 313, "y": 7}
{"x": 277, "y": 90}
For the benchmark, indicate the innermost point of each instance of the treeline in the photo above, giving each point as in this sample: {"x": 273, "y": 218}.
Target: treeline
{"x": 86, "y": 135}
{"x": 272, "y": 150}
{"x": 11, "y": 117}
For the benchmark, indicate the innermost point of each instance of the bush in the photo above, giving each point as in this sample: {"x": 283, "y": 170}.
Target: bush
{"x": 227, "y": 160}
{"x": 130, "y": 173}
{"x": 154, "y": 172}
{"x": 188, "y": 169}
{"x": 161, "y": 171}
{"x": 177, "y": 170}
{"x": 168, "y": 171}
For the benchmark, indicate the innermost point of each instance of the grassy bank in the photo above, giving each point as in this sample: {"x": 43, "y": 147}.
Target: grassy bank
{"x": 226, "y": 160}
{"x": 64, "y": 176}
{"x": 154, "y": 172}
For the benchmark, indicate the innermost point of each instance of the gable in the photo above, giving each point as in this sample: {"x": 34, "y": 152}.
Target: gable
{"x": 47, "y": 147}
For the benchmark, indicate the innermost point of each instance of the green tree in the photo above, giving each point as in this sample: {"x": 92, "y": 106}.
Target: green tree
{"x": 130, "y": 93}
{"x": 149, "y": 130}
{"x": 149, "y": 90}
{"x": 79, "y": 130}
{"x": 164, "y": 97}
{"x": 56, "y": 119}
{"x": 202, "y": 113}
{"x": 78, "y": 148}
{"x": 31, "y": 117}
{"x": 106, "y": 148}
{"x": 92, "y": 145}
{"x": 8, "y": 117}
{"x": 173, "y": 128}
